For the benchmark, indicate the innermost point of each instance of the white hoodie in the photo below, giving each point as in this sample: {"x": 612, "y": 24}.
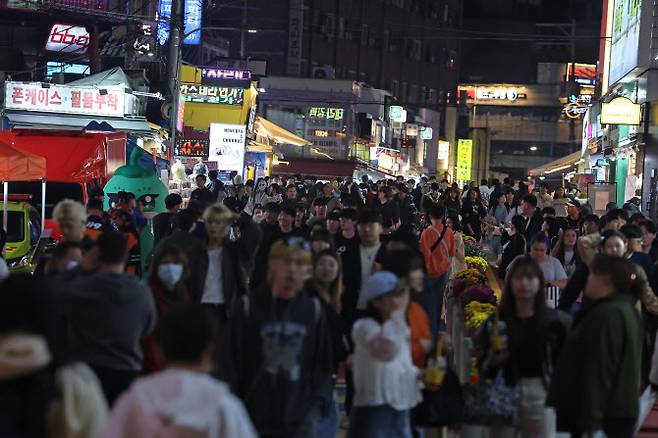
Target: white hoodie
{"x": 178, "y": 403}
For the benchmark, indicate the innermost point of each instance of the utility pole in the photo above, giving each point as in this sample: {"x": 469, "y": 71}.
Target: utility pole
{"x": 173, "y": 70}
{"x": 243, "y": 30}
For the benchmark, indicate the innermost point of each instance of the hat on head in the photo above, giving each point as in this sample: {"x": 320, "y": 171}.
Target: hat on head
{"x": 378, "y": 284}
{"x": 370, "y": 217}
{"x": 573, "y": 203}
{"x": 334, "y": 215}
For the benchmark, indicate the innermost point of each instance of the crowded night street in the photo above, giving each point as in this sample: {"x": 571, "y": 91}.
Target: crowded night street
{"x": 328, "y": 219}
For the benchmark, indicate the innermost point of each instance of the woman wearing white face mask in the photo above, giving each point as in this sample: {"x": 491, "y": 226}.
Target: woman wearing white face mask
{"x": 169, "y": 270}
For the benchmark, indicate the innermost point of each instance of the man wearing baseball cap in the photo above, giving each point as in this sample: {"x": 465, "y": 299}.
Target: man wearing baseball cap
{"x": 277, "y": 352}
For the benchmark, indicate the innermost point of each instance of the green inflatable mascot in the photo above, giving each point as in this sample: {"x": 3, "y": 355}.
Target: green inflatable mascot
{"x": 144, "y": 183}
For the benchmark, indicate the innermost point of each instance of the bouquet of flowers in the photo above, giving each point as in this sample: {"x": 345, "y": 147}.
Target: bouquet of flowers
{"x": 473, "y": 248}
{"x": 478, "y": 293}
{"x": 479, "y": 263}
{"x": 472, "y": 275}
{"x": 476, "y": 314}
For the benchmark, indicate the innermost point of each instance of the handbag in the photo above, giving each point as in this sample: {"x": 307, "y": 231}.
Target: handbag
{"x": 492, "y": 402}
{"x": 443, "y": 404}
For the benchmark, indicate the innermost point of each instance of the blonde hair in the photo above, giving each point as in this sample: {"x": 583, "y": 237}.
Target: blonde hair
{"x": 219, "y": 212}
{"x": 69, "y": 210}
{"x": 283, "y": 249}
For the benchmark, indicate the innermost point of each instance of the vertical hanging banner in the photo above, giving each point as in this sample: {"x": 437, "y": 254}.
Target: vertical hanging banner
{"x": 464, "y": 159}
{"x": 295, "y": 29}
{"x": 192, "y": 10}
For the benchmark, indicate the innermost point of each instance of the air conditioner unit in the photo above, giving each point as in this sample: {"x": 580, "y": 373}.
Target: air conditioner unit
{"x": 323, "y": 72}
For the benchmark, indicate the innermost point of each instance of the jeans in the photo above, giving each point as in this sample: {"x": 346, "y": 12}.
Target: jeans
{"x": 379, "y": 422}
{"x": 432, "y": 300}
{"x": 327, "y": 427}
{"x": 496, "y": 245}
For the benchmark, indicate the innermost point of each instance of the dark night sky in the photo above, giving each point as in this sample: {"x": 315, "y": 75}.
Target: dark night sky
{"x": 510, "y": 60}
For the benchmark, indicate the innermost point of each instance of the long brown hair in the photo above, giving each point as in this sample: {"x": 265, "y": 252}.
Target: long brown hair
{"x": 523, "y": 265}
{"x": 333, "y": 298}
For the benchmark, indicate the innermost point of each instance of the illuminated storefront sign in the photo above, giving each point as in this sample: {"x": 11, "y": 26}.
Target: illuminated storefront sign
{"x": 66, "y": 38}
{"x": 321, "y": 133}
{"x": 510, "y": 94}
{"x": 192, "y": 26}
{"x": 323, "y": 113}
{"x": 464, "y": 159}
{"x": 191, "y": 148}
{"x": 213, "y": 74}
{"x": 144, "y": 43}
{"x": 397, "y": 114}
{"x": 227, "y": 146}
{"x": 33, "y": 96}
{"x": 585, "y": 74}
{"x": 575, "y": 110}
{"x": 211, "y": 94}
{"x": 620, "y": 111}
{"x": 411, "y": 130}
{"x": 444, "y": 150}
{"x": 426, "y": 133}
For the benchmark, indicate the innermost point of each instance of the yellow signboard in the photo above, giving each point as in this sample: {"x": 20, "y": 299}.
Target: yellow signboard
{"x": 464, "y": 159}
{"x": 620, "y": 111}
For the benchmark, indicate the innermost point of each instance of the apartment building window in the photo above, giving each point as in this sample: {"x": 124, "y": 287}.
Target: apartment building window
{"x": 364, "y": 34}
{"x": 416, "y": 50}
{"x": 398, "y": 3}
{"x": 430, "y": 54}
{"x": 386, "y": 40}
{"x": 413, "y": 93}
{"x": 431, "y": 96}
{"x": 341, "y": 28}
{"x": 446, "y": 12}
{"x": 423, "y": 95}
{"x": 395, "y": 87}
{"x": 328, "y": 27}
{"x": 452, "y": 60}
{"x": 403, "y": 90}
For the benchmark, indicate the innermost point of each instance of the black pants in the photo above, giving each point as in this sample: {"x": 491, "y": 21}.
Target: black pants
{"x": 613, "y": 428}
{"x": 114, "y": 382}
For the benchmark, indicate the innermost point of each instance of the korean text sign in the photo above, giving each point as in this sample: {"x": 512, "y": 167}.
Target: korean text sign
{"x": 464, "y": 159}
{"x": 32, "y": 96}
{"x": 192, "y": 28}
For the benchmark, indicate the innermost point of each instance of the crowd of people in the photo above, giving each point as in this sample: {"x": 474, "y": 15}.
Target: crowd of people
{"x": 261, "y": 297}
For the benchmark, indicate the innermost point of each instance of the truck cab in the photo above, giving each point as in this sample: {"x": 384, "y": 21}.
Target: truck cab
{"x": 23, "y": 232}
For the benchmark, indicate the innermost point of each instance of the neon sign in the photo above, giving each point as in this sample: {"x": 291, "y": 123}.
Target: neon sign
{"x": 211, "y": 94}
{"x": 326, "y": 113}
{"x": 65, "y": 38}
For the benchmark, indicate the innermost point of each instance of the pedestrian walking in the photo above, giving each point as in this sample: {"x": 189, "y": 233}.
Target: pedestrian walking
{"x": 385, "y": 379}
{"x": 183, "y": 400}
{"x": 596, "y": 384}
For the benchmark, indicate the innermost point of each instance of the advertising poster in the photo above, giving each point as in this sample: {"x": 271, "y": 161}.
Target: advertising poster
{"x": 625, "y": 38}
{"x": 464, "y": 159}
{"x": 227, "y": 145}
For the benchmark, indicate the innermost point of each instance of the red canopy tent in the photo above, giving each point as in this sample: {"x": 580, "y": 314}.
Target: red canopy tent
{"x": 17, "y": 165}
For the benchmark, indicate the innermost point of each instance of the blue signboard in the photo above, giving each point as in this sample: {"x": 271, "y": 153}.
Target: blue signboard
{"x": 192, "y": 26}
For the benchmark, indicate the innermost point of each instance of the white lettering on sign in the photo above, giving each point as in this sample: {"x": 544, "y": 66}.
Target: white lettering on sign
{"x": 33, "y": 96}
{"x": 66, "y": 38}
{"x": 219, "y": 74}
{"x": 227, "y": 146}
{"x": 510, "y": 94}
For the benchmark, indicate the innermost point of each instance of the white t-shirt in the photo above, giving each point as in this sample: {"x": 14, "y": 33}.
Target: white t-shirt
{"x": 213, "y": 290}
{"x": 553, "y": 269}
{"x": 384, "y": 373}
{"x": 367, "y": 255}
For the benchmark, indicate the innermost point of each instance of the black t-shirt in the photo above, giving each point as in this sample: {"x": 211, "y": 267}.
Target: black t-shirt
{"x": 528, "y": 345}
{"x": 343, "y": 244}
{"x": 204, "y": 195}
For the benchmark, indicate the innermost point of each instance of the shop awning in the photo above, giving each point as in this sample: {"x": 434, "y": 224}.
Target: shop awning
{"x": 322, "y": 169}
{"x": 33, "y": 120}
{"x": 265, "y": 128}
{"x": 254, "y": 146}
{"x": 561, "y": 164}
{"x": 17, "y": 165}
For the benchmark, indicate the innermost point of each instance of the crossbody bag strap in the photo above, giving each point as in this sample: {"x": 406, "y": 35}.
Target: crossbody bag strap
{"x": 440, "y": 239}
